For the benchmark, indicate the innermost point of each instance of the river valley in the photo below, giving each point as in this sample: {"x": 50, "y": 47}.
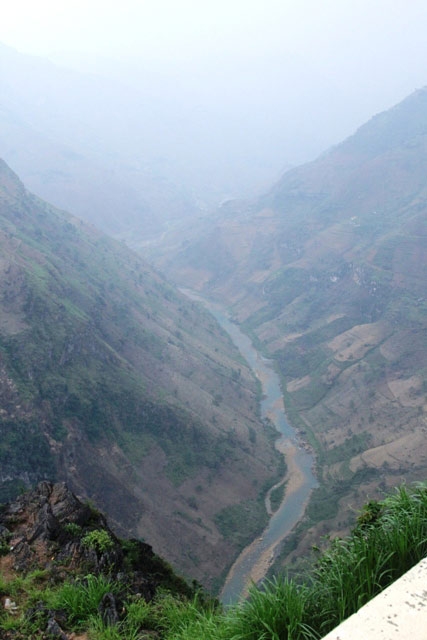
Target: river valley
{"x": 254, "y": 561}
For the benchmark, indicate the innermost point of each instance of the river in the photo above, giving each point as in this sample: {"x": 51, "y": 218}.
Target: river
{"x": 254, "y": 561}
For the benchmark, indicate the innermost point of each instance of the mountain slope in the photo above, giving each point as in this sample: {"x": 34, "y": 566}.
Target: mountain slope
{"x": 328, "y": 271}
{"x": 112, "y": 380}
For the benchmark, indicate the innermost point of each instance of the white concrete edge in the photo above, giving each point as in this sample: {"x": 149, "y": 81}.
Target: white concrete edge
{"x": 397, "y": 613}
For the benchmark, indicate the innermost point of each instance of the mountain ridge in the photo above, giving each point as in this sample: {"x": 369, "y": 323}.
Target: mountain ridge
{"x": 327, "y": 273}
{"x": 115, "y": 382}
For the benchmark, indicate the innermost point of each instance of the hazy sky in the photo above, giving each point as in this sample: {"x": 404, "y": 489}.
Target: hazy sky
{"x": 373, "y": 41}
{"x": 332, "y": 28}
{"x": 273, "y": 69}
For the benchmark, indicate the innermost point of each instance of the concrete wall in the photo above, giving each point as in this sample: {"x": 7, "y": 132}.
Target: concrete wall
{"x": 398, "y": 613}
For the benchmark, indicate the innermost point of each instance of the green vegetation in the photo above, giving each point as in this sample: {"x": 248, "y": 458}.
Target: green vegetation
{"x": 80, "y": 599}
{"x": 355, "y": 444}
{"x": 297, "y": 361}
{"x": 99, "y": 540}
{"x": 189, "y": 447}
{"x": 73, "y": 529}
{"x": 282, "y": 288}
{"x": 22, "y": 448}
{"x": 325, "y": 499}
{"x": 240, "y": 523}
{"x": 276, "y": 496}
{"x": 389, "y": 538}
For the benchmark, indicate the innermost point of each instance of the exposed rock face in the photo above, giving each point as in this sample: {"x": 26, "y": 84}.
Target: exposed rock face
{"x": 50, "y": 528}
{"x": 36, "y": 520}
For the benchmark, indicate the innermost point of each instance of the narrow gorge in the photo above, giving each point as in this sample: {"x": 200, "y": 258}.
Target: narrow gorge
{"x": 254, "y": 561}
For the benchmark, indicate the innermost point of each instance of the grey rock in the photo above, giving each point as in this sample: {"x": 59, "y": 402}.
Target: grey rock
{"x": 54, "y": 631}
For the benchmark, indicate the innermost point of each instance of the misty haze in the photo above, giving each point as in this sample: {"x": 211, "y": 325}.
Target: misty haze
{"x": 213, "y": 303}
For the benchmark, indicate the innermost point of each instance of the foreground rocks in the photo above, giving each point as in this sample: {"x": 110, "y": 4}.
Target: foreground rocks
{"x": 50, "y": 529}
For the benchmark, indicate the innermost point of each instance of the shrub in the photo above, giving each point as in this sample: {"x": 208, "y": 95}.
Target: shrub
{"x": 73, "y": 529}
{"x": 98, "y": 539}
{"x": 278, "y": 611}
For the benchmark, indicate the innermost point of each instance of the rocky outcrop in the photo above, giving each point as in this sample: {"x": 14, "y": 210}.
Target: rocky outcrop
{"x": 50, "y": 528}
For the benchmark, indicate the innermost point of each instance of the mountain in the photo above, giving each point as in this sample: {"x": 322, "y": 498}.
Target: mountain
{"x": 112, "y": 380}
{"x": 328, "y": 271}
{"x": 87, "y": 144}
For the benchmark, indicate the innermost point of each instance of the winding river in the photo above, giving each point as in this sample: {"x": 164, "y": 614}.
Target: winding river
{"x": 254, "y": 561}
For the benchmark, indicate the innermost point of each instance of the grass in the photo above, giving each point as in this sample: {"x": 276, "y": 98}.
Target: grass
{"x": 139, "y": 615}
{"x": 276, "y": 612}
{"x": 81, "y": 599}
{"x": 389, "y": 538}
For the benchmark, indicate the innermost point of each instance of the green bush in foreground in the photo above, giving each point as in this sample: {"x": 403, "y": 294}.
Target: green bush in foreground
{"x": 98, "y": 539}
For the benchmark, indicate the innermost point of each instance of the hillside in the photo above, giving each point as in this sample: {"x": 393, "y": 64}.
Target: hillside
{"x": 328, "y": 272}
{"x": 112, "y": 380}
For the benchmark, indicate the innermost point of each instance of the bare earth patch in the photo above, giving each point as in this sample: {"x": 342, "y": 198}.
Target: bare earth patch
{"x": 396, "y": 454}
{"x": 406, "y": 391}
{"x": 356, "y": 342}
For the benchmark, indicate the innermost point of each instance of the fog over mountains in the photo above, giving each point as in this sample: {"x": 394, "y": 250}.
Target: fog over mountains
{"x": 130, "y": 145}
{"x": 250, "y": 181}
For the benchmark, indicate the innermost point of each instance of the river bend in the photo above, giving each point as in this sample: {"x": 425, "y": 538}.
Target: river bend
{"x": 254, "y": 561}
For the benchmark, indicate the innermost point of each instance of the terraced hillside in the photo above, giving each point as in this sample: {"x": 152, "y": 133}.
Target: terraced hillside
{"x": 328, "y": 271}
